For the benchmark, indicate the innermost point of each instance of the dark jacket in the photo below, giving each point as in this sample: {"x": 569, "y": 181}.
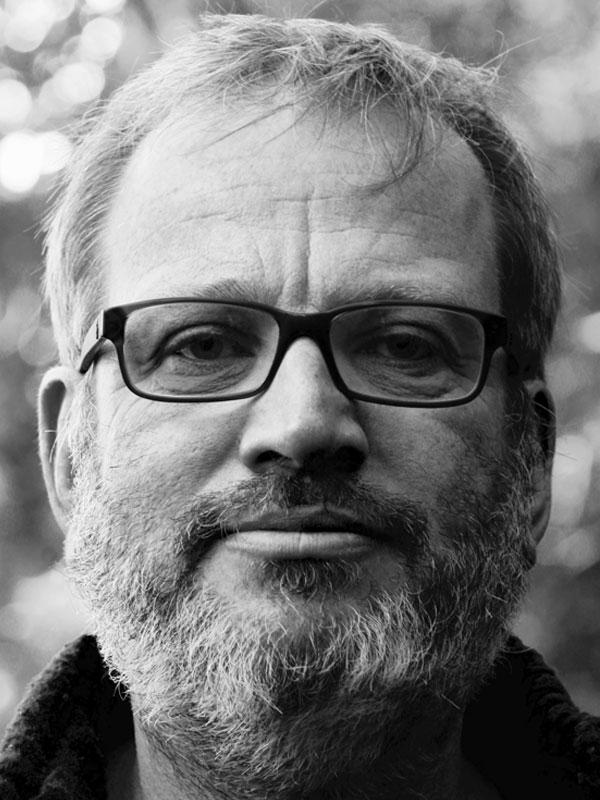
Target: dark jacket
{"x": 522, "y": 732}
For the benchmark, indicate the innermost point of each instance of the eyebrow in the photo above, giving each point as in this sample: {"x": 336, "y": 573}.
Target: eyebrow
{"x": 400, "y": 291}
{"x": 228, "y": 289}
{"x": 239, "y": 291}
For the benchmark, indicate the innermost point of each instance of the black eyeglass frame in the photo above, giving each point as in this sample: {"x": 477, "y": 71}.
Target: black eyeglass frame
{"x": 110, "y": 326}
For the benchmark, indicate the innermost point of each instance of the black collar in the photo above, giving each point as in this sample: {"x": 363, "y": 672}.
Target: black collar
{"x": 521, "y": 731}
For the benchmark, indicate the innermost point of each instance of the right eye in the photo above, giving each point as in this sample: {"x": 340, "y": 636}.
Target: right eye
{"x": 209, "y": 343}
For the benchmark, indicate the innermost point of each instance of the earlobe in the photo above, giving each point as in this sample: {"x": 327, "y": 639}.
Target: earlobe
{"x": 543, "y": 411}
{"x": 55, "y": 397}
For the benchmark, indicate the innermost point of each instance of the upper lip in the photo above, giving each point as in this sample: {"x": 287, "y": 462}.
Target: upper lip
{"x": 308, "y": 518}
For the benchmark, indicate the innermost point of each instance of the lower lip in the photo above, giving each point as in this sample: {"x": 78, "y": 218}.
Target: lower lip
{"x": 300, "y": 544}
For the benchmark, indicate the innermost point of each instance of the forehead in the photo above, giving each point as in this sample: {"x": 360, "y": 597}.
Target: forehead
{"x": 300, "y": 212}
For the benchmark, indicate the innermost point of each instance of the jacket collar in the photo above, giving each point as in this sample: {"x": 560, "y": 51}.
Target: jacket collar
{"x": 522, "y": 731}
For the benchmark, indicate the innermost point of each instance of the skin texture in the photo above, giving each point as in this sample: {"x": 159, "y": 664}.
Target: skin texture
{"x": 282, "y": 223}
{"x": 282, "y": 213}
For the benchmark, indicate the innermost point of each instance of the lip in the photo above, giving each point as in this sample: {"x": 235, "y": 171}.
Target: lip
{"x": 308, "y": 532}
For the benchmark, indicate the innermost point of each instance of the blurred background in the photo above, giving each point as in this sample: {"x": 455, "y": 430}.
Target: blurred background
{"x": 59, "y": 57}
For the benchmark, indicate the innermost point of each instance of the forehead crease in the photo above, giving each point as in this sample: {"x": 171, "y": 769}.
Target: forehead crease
{"x": 295, "y": 181}
{"x": 310, "y": 214}
{"x": 375, "y": 211}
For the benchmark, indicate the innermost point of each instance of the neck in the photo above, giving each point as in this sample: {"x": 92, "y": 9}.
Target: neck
{"x": 424, "y": 762}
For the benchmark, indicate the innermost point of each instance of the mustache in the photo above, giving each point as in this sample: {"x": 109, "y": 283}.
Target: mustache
{"x": 385, "y": 516}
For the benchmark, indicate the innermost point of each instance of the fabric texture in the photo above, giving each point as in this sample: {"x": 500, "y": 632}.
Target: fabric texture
{"x": 522, "y": 731}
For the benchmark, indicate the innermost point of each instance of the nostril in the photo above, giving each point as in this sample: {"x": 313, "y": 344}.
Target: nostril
{"x": 349, "y": 459}
{"x": 268, "y": 457}
{"x": 343, "y": 461}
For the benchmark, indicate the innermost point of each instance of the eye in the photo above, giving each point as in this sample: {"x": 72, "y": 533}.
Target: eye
{"x": 204, "y": 346}
{"x": 209, "y": 343}
{"x": 406, "y": 345}
{"x": 400, "y": 344}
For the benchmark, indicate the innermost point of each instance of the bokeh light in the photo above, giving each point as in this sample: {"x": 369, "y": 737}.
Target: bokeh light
{"x": 588, "y": 332}
{"x": 25, "y": 156}
{"x": 573, "y": 461}
{"x": 28, "y": 24}
{"x": 101, "y": 38}
{"x": 20, "y": 161}
{"x": 105, "y": 6}
{"x": 56, "y": 149}
{"x": 15, "y": 104}
{"x": 63, "y": 8}
{"x": 577, "y": 550}
{"x": 78, "y": 82}
{"x": 8, "y": 690}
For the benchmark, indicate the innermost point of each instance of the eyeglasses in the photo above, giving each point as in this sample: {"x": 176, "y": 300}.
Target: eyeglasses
{"x": 396, "y": 353}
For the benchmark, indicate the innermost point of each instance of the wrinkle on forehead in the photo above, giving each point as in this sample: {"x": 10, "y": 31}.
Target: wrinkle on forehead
{"x": 371, "y": 165}
{"x": 272, "y": 191}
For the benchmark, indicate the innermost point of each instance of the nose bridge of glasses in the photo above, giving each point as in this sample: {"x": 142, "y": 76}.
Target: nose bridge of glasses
{"x": 307, "y": 326}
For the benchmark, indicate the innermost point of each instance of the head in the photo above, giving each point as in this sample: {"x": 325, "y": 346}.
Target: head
{"x": 299, "y": 555}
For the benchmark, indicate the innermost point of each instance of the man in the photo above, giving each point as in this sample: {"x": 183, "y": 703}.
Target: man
{"x": 299, "y": 442}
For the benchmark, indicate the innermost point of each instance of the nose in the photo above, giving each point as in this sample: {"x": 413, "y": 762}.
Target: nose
{"x": 303, "y": 421}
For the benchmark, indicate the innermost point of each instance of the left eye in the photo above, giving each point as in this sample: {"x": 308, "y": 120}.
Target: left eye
{"x": 408, "y": 346}
{"x": 401, "y": 346}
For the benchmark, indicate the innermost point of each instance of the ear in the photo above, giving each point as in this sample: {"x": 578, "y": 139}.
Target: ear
{"x": 543, "y": 410}
{"x": 56, "y": 394}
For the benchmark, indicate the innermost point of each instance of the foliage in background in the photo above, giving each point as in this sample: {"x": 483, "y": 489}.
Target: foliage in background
{"x": 58, "y": 57}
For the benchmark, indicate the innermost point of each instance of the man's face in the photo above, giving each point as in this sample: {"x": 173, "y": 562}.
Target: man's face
{"x": 279, "y": 214}
{"x": 304, "y": 217}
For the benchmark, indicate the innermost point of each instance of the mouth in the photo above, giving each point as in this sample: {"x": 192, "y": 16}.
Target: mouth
{"x": 305, "y": 532}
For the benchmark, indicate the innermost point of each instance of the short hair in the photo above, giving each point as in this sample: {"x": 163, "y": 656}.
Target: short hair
{"x": 233, "y": 60}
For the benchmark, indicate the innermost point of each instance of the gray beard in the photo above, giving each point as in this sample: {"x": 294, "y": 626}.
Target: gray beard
{"x": 253, "y": 711}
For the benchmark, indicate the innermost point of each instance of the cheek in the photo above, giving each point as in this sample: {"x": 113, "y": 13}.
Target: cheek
{"x": 425, "y": 453}
{"x": 158, "y": 457}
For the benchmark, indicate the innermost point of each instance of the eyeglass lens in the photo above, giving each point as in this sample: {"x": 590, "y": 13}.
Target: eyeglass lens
{"x": 408, "y": 352}
{"x": 389, "y": 352}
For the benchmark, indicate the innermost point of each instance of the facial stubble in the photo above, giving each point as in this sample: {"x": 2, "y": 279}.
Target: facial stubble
{"x": 224, "y": 694}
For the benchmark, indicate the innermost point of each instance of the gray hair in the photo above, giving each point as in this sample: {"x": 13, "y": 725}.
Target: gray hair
{"x": 236, "y": 60}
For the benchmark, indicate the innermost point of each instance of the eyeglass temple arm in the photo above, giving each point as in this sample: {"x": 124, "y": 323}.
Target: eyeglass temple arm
{"x": 94, "y": 339}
